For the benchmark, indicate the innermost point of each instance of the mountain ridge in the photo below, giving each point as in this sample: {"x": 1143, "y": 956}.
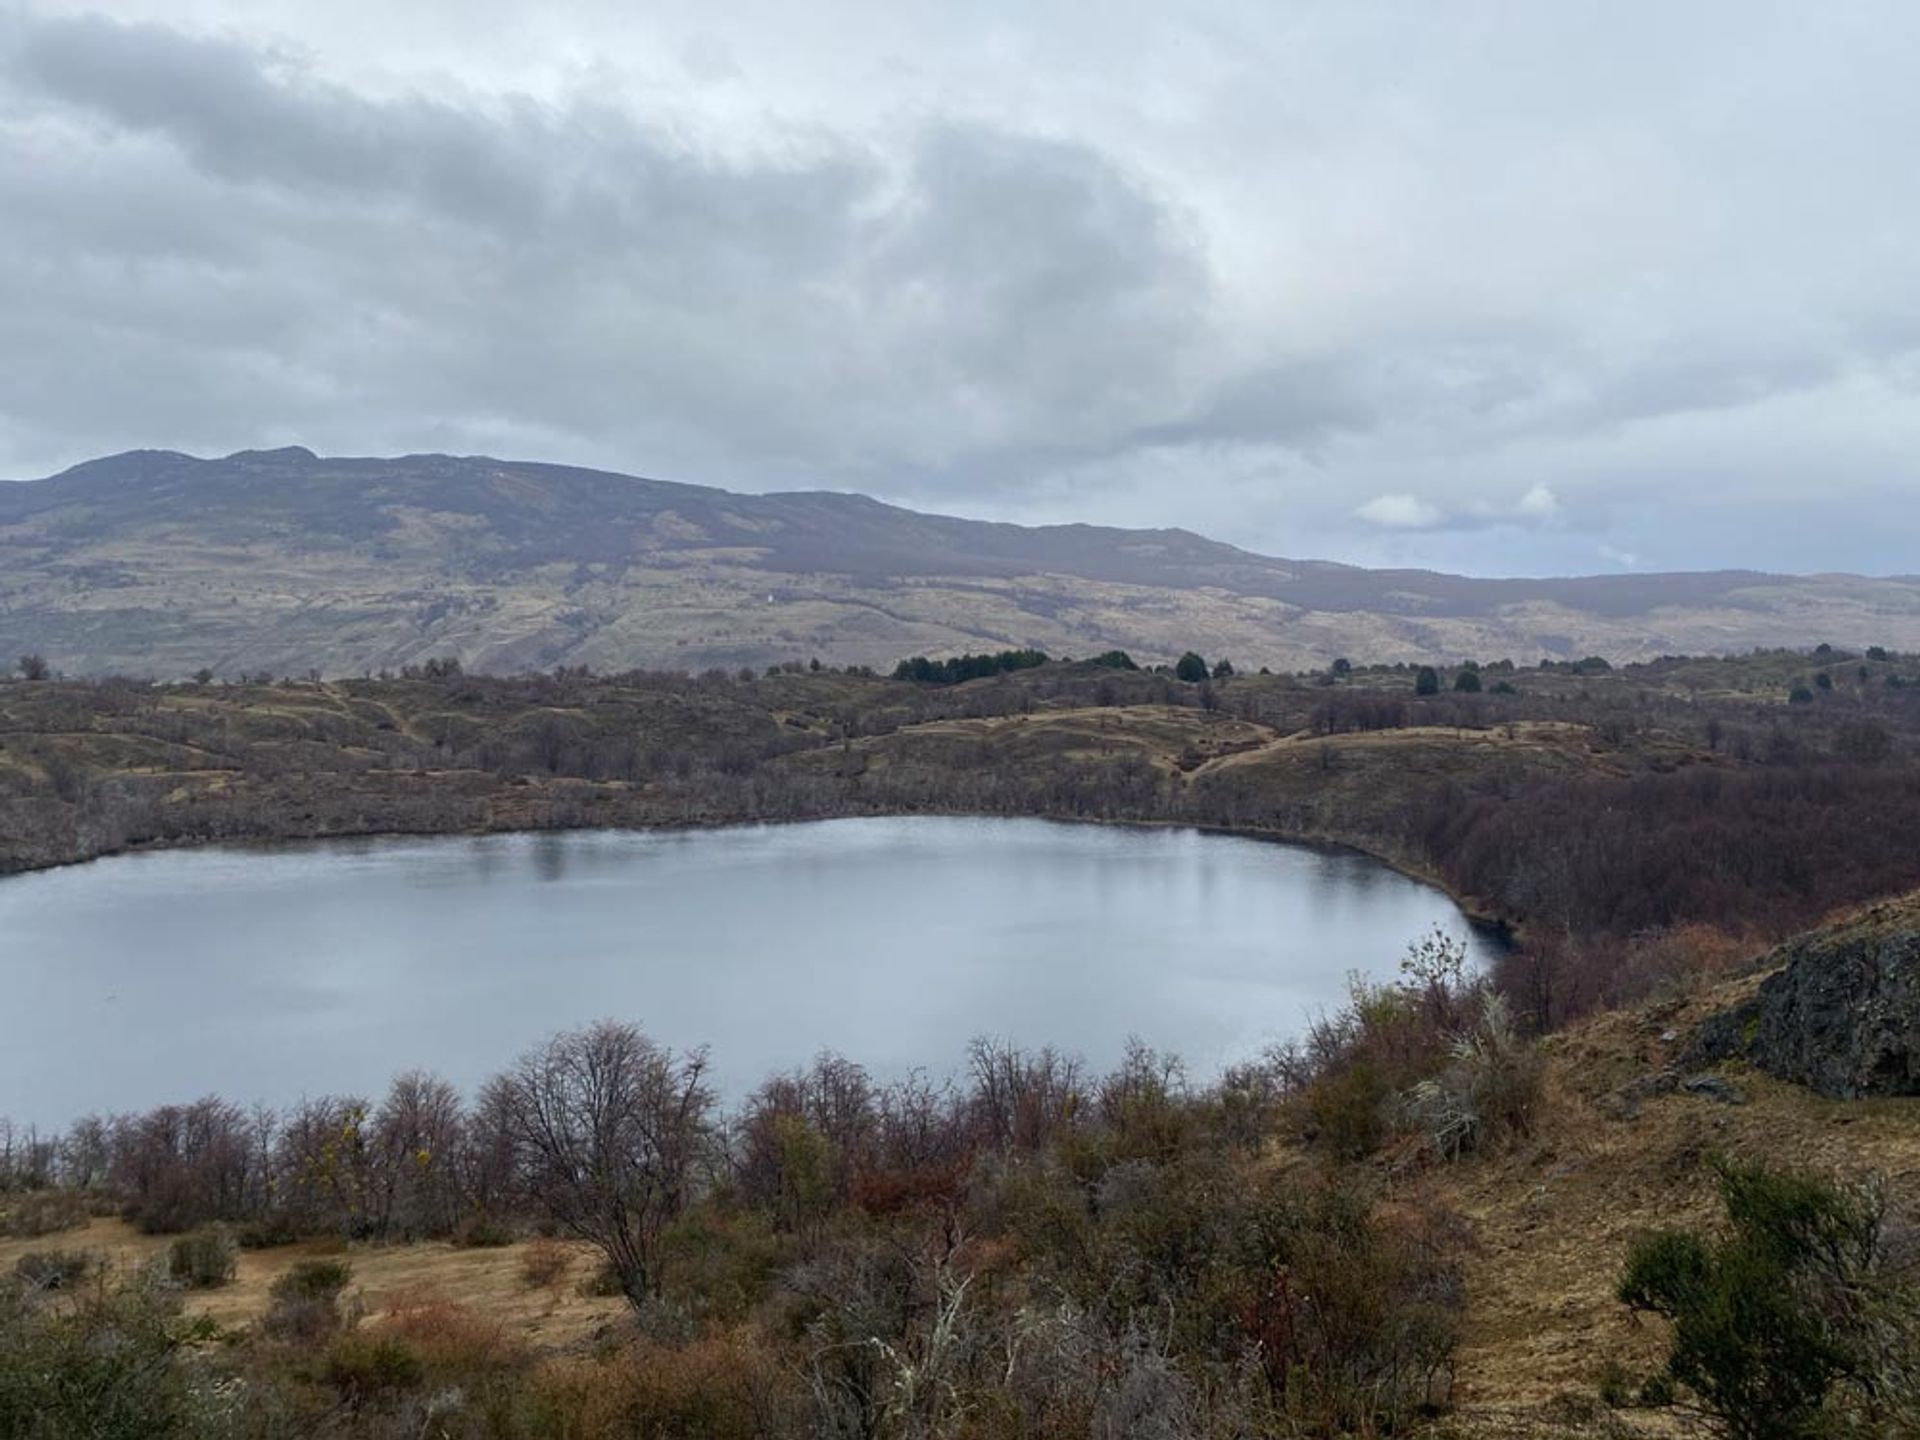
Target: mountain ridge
{"x": 139, "y": 561}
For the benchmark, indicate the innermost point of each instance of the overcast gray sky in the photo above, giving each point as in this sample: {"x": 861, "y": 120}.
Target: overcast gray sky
{"x": 1502, "y": 288}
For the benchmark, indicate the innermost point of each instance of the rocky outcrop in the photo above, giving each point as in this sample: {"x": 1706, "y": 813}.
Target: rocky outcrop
{"x": 1842, "y": 1013}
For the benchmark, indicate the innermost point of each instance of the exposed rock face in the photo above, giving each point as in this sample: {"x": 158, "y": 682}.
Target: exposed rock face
{"x": 1842, "y": 1015}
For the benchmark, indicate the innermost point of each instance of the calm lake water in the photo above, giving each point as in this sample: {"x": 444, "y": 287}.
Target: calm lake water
{"x": 268, "y": 973}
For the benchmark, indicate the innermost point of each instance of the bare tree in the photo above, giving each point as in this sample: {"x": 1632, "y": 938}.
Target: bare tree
{"x": 33, "y": 667}
{"x": 85, "y": 1152}
{"x": 417, "y": 1139}
{"x": 182, "y": 1165}
{"x": 489, "y": 1172}
{"x": 922, "y": 1124}
{"x": 610, "y": 1129}
{"x": 1023, "y": 1099}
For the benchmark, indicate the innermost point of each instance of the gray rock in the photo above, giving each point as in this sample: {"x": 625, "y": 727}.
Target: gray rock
{"x": 1625, "y": 1102}
{"x": 1841, "y": 1015}
{"x": 1714, "y": 1087}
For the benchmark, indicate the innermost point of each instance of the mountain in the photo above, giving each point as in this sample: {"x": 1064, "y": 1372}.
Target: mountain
{"x": 154, "y": 562}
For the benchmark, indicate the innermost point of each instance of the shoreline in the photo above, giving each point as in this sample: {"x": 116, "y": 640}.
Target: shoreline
{"x": 1474, "y": 909}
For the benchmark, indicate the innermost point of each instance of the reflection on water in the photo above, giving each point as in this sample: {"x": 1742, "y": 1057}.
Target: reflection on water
{"x": 276, "y": 972}
{"x": 550, "y": 851}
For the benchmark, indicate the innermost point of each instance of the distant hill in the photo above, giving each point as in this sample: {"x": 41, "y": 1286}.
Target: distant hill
{"x": 154, "y": 562}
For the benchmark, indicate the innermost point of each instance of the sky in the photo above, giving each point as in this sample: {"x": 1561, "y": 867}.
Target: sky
{"x": 1494, "y": 288}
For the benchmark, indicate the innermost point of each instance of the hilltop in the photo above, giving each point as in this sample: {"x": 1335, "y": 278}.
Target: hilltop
{"x": 158, "y": 564}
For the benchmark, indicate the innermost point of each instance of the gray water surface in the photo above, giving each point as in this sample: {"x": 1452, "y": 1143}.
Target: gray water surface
{"x": 269, "y": 973}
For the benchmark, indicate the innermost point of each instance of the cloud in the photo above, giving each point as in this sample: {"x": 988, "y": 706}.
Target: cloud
{"x": 1464, "y": 289}
{"x": 1539, "y": 503}
{"x": 1400, "y": 512}
{"x": 259, "y": 247}
{"x": 1537, "y": 506}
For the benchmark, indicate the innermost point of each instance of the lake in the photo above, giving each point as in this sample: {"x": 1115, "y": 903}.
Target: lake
{"x": 266, "y": 973}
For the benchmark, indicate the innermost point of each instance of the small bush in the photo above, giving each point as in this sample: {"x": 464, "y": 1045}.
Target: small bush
{"x": 269, "y": 1232}
{"x": 43, "y": 1212}
{"x": 108, "y": 1366}
{"x": 313, "y": 1280}
{"x": 1614, "y": 1385}
{"x": 481, "y": 1232}
{"x": 718, "y": 1266}
{"x": 545, "y": 1264}
{"x": 370, "y": 1369}
{"x": 53, "y": 1269}
{"x": 204, "y": 1260}
{"x": 1767, "y": 1324}
{"x": 1656, "y": 1391}
{"x": 1488, "y": 1090}
{"x": 1357, "y": 1324}
{"x": 1574, "y": 1410}
{"x": 1347, "y": 1111}
{"x": 301, "y": 1322}
{"x": 452, "y": 1343}
{"x": 719, "y": 1389}
{"x": 305, "y": 1305}
{"x": 1435, "y": 1052}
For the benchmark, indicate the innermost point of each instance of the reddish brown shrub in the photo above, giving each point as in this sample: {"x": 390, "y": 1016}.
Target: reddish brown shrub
{"x": 726, "y": 1387}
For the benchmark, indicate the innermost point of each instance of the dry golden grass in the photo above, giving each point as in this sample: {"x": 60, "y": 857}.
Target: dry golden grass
{"x": 547, "y": 1264}
{"x": 1171, "y": 738}
{"x": 389, "y": 1280}
{"x": 1552, "y": 1222}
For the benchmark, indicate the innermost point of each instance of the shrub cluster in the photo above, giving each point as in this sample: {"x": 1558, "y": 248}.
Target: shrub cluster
{"x": 204, "y": 1259}
{"x": 1800, "y": 1320}
{"x": 1433, "y": 1054}
{"x": 1033, "y": 1249}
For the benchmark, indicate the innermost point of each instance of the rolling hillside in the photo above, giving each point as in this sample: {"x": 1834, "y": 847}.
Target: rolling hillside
{"x": 159, "y": 563}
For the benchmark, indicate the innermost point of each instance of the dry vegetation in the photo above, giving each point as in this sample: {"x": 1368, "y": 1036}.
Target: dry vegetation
{"x": 1035, "y": 1252}
{"x": 487, "y": 1281}
{"x": 157, "y": 563}
{"x": 1416, "y": 1220}
{"x": 1601, "y": 812}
